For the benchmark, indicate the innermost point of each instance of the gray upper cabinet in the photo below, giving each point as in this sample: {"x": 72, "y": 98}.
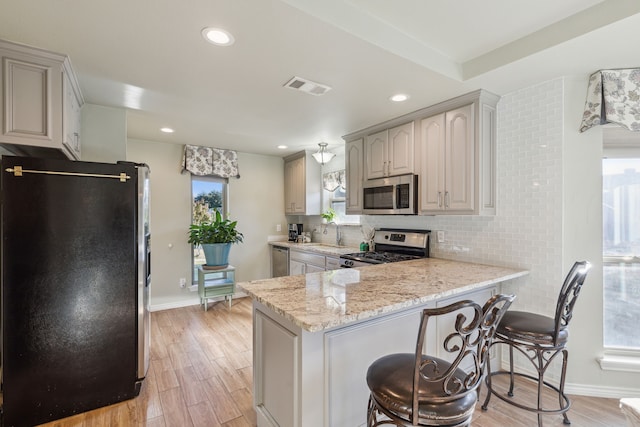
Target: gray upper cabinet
{"x": 354, "y": 165}
{"x": 451, "y": 146}
{"x": 302, "y": 185}
{"x": 40, "y": 102}
{"x": 447, "y": 162}
{"x": 389, "y": 152}
{"x": 457, "y": 157}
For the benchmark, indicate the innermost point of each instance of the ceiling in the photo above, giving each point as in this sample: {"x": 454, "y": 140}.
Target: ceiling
{"x": 149, "y": 57}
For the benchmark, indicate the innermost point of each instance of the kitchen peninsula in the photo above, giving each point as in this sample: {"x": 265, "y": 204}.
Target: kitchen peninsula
{"x": 316, "y": 334}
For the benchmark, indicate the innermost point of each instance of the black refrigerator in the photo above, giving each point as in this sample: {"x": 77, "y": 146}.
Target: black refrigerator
{"x": 75, "y": 286}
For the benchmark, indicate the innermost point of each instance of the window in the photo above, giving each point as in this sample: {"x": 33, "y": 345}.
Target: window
{"x": 621, "y": 249}
{"x": 208, "y": 193}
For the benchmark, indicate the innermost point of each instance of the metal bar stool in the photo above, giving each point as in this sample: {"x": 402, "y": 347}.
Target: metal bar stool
{"x": 540, "y": 339}
{"x": 410, "y": 389}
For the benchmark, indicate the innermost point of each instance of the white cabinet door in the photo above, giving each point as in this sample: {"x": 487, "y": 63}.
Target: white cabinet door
{"x": 294, "y": 186}
{"x": 276, "y": 370}
{"x": 376, "y": 155}
{"x": 299, "y": 190}
{"x": 354, "y": 172}
{"x": 400, "y": 150}
{"x": 40, "y": 102}
{"x": 29, "y": 89}
{"x": 389, "y": 152}
{"x": 296, "y": 267}
{"x": 459, "y": 159}
{"x": 288, "y": 188}
{"x": 71, "y": 104}
{"x": 447, "y": 162}
{"x": 432, "y": 155}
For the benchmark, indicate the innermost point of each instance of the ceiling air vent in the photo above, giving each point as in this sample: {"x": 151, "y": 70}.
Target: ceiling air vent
{"x": 304, "y": 85}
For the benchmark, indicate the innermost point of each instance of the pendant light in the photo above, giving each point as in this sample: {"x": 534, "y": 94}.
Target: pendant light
{"x": 323, "y": 156}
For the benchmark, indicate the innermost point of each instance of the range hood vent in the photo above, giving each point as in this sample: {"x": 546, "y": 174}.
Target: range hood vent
{"x": 304, "y": 85}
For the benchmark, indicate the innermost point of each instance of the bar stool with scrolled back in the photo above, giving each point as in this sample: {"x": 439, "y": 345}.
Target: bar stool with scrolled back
{"x": 540, "y": 339}
{"x": 413, "y": 389}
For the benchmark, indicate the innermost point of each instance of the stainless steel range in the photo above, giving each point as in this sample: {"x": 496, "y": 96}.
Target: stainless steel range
{"x": 391, "y": 245}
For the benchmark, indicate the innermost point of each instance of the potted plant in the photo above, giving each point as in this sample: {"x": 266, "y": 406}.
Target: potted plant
{"x": 215, "y": 236}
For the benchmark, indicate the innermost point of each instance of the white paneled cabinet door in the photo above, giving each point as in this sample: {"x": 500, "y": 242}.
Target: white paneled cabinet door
{"x": 354, "y": 165}
{"x": 400, "y": 150}
{"x": 296, "y": 267}
{"x": 294, "y": 187}
{"x": 288, "y": 188}
{"x": 459, "y": 160}
{"x": 299, "y": 188}
{"x": 27, "y": 104}
{"x": 71, "y": 104}
{"x": 432, "y": 142}
{"x": 376, "y": 155}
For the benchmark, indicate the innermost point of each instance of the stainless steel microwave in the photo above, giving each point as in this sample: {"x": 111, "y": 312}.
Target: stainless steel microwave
{"x": 395, "y": 195}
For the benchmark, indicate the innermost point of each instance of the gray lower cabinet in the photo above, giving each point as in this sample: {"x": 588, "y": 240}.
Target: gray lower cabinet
{"x": 301, "y": 262}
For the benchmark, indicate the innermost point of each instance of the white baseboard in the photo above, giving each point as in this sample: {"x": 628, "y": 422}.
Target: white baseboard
{"x": 601, "y": 391}
{"x": 581, "y": 389}
{"x": 174, "y": 304}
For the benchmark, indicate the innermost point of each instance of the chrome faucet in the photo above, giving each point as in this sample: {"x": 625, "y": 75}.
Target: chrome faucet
{"x": 338, "y": 235}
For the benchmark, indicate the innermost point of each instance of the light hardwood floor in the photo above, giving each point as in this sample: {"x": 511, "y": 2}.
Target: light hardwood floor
{"x": 201, "y": 375}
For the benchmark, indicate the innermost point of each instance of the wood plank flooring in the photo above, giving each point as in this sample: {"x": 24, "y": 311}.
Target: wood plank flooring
{"x": 201, "y": 376}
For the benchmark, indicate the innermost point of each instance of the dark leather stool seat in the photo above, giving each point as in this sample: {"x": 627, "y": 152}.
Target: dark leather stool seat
{"x": 415, "y": 389}
{"x": 390, "y": 380}
{"x": 540, "y": 339}
{"x": 531, "y": 327}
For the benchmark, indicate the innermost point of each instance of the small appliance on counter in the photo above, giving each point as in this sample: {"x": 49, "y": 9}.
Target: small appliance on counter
{"x": 295, "y": 230}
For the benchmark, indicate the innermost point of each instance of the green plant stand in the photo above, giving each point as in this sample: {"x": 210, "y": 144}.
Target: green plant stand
{"x": 216, "y": 283}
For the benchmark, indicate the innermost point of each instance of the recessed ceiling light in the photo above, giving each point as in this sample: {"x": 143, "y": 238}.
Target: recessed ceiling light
{"x": 218, "y": 36}
{"x": 399, "y": 97}
{"x": 166, "y": 130}
{"x": 282, "y": 147}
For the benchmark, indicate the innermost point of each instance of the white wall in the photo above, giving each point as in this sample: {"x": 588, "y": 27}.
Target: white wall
{"x": 255, "y": 200}
{"x": 103, "y": 134}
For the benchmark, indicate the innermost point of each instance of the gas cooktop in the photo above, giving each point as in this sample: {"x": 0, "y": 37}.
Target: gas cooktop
{"x": 379, "y": 257}
{"x": 391, "y": 245}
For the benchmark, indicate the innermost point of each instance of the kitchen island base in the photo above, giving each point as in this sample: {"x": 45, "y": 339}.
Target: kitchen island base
{"x": 318, "y": 379}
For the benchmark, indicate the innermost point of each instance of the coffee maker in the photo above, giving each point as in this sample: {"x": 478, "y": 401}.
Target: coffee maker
{"x": 295, "y": 230}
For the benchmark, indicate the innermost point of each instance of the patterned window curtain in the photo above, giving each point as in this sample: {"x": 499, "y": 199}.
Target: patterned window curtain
{"x": 613, "y": 96}
{"x": 332, "y": 180}
{"x": 210, "y": 161}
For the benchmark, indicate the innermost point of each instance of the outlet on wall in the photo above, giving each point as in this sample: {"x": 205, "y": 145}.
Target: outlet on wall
{"x": 278, "y": 227}
{"x": 440, "y": 235}
{"x": 183, "y": 282}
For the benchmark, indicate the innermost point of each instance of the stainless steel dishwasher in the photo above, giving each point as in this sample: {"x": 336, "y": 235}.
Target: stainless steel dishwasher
{"x": 279, "y": 261}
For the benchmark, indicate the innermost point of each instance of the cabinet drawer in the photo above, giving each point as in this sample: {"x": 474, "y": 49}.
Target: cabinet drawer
{"x": 332, "y": 263}
{"x": 307, "y": 258}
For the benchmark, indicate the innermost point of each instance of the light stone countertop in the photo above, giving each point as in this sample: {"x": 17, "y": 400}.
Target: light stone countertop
{"x": 320, "y": 248}
{"x": 323, "y": 300}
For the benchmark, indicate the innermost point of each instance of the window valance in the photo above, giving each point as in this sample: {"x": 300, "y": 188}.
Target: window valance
{"x": 613, "y": 96}
{"x": 210, "y": 161}
{"x": 332, "y": 180}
